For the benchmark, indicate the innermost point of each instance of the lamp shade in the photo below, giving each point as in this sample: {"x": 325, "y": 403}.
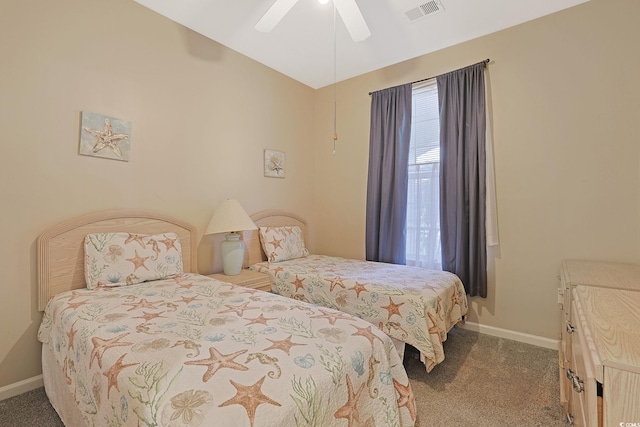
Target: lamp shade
{"x": 229, "y": 216}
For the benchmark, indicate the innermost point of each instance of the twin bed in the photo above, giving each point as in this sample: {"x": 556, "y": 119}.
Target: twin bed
{"x": 410, "y": 304}
{"x": 186, "y": 350}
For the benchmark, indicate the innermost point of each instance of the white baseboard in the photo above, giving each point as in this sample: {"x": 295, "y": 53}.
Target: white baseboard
{"x": 21, "y": 387}
{"x": 512, "y": 335}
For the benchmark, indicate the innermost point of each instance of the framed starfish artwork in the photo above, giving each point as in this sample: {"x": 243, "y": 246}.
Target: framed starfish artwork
{"x": 106, "y": 137}
{"x": 274, "y": 163}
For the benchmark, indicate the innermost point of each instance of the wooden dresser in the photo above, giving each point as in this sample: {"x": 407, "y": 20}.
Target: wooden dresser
{"x": 599, "y": 352}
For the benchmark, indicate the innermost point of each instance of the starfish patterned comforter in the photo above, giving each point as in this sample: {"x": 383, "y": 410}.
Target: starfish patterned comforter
{"x": 411, "y": 304}
{"x": 194, "y": 351}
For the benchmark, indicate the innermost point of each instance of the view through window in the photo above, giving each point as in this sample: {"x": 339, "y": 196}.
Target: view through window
{"x": 423, "y": 202}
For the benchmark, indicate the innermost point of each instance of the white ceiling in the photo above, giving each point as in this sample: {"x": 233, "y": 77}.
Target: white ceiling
{"x": 302, "y": 45}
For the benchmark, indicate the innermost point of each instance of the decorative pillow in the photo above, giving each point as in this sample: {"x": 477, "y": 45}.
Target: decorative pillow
{"x": 282, "y": 243}
{"x": 116, "y": 259}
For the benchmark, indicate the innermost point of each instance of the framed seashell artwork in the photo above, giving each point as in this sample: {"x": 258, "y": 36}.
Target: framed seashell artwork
{"x": 104, "y": 136}
{"x": 274, "y": 163}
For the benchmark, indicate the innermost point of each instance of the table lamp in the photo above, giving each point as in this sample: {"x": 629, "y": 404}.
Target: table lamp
{"x": 229, "y": 217}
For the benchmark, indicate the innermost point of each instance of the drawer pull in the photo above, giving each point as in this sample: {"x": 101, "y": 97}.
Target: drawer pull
{"x": 577, "y": 383}
{"x": 570, "y": 374}
{"x": 570, "y": 328}
{"x": 569, "y": 419}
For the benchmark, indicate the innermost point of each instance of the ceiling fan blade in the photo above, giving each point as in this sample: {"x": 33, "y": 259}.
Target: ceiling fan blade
{"x": 275, "y": 13}
{"x": 353, "y": 19}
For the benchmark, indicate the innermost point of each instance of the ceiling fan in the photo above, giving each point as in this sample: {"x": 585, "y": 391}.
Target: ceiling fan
{"x": 348, "y": 10}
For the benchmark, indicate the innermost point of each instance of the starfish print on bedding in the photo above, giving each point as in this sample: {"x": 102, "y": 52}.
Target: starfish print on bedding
{"x": 359, "y": 287}
{"x": 138, "y": 261}
{"x": 217, "y": 361}
{"x": 350, "y": 410}
{"x": 101, "y": 345}
{"x": 298, "y": 284}
{"x": 331, "y": 316}
{"x": 75, "y": 305}
{"x": 71, "y": 335}
{"x": 434, "y": 329}
{"x": 367, "y": 333}
{"x": 260, "y": 319}
{"x": 284, "y": 345}
{"x": 277, "y": 270}
{"x": 406, "y": 397}
{"x": 66, "y": 367}
{"x": 113, "y": 372}
{"x": 239, "y": 310}
{"x": 169, "y": 243}
{"x": 143, "y": 303}
{"x": 250, "y": 397}
{"x": 107, "y": 139}
{"x": 189, "y": 300}
{"x": 135, "y": 238}
{"x": 393, "y": 308}
{"x": 78, "y": 294}
{"x": 275, "y": 243}
{"x": 336, "y": 281}
{"x": 149, "y": 316}
{"x": 455, "y": 301}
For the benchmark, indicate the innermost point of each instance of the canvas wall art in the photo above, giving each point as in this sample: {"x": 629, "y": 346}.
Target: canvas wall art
{"x": 274, "y": 162}
{"x": 104, "y": 136}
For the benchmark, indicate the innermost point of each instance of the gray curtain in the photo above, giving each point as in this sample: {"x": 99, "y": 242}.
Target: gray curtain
{"x": 461, "y": 99}
{"x": 389, "y": 139}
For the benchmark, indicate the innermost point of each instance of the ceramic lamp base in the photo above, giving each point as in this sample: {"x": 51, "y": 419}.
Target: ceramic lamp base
{"x": 232, "y": 251}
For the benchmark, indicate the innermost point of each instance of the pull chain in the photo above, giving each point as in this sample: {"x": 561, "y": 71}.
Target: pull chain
{"x": 335, "y": 109}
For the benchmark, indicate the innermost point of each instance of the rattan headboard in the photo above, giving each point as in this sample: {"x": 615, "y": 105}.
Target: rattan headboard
{"x": 268, "y": 218}
{"x": 61, "y": 250}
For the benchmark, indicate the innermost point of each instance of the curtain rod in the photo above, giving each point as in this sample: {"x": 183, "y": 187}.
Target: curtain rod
{"x": 486, "y": 61}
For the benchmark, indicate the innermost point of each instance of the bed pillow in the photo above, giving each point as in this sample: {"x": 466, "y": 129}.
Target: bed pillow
{"x": 116, "y": 259}
{"x": 282, "y": 243}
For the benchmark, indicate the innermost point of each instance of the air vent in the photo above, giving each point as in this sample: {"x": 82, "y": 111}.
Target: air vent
{"x": 425, "y": 9}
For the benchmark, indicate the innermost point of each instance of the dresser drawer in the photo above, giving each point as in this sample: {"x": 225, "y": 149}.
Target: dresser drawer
{"x": 600, "y": 357}
{"x": 626, "y": 407}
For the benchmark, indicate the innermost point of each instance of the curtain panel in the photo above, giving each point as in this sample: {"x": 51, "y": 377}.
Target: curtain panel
{"x": 461, "y": 96}
{"x": 389, "y": 137}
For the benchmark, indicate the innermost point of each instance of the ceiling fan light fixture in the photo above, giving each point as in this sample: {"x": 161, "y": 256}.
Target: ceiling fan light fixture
{"x": 348, "y": 10}
{"x": 353, "y": 19}
{"x": 275, "y": 13}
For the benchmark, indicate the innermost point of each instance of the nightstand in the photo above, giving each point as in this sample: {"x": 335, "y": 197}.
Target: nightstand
{"x": 247, "y": 278}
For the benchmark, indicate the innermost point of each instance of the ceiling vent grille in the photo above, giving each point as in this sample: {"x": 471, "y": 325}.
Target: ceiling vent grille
{"x": 424, "y": 9}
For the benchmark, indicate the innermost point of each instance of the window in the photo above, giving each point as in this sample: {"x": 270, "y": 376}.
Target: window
{"x": 423, "y": 202}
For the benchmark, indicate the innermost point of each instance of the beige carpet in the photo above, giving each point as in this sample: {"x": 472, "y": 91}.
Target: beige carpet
{"x": 488, "y": 381}
{"x": 484, "y": 381}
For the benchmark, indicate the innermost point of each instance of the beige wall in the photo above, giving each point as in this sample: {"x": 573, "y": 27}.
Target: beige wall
{"x": 201, "y": 117}
{"x": 565, "y": 97}
{"x": 565, "y": 106}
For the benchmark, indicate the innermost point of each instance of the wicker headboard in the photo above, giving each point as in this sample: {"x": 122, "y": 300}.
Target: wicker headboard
{"x": 61, "y": 250}
{"x": 268, "y": 218}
